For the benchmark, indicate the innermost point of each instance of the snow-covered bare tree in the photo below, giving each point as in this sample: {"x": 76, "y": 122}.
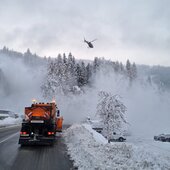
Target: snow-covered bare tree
{"x": 112, "y": 111}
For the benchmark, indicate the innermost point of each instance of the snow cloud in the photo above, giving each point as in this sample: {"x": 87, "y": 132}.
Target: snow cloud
{"x": 147, "y": 107}
{"x": 22, "y": 84}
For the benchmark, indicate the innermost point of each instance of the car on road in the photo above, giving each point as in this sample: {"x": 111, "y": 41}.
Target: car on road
{"x": 162, "y": 137}
{"x": 117, "y": 138}
{"x": 6, "y": 113}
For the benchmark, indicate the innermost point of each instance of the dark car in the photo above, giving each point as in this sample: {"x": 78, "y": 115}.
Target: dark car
{"x": 162, "y": 137}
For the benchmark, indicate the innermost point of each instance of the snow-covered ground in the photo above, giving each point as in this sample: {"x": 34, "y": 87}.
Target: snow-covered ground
{"x": 90, "y": 150}
{"x": 10, "y": 121}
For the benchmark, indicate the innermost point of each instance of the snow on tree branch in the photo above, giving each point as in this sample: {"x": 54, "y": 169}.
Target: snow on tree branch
{"x": 112, "y": 111}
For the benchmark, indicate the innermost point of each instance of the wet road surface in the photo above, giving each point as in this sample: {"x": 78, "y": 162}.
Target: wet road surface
{"x": 15, "y": 157}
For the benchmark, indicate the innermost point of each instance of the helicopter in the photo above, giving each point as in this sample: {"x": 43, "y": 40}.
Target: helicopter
{"x": 89, "y": 43}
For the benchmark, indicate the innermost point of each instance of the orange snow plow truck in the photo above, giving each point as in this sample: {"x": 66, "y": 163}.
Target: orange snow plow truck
{"x": 41, "y": 122}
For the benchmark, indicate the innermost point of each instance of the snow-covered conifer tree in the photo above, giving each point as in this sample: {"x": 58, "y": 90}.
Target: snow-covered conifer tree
{"x": 116, "y": 66}
{"x": 121, "y": 68}
{"x": 81, "y": 74}
{"x": 89, "y": 72}
{"x": 128, "y": 68}
{"x": 61, "y": 77}
{"x": 96, "y": 64}
{"x": 134, "y": 71}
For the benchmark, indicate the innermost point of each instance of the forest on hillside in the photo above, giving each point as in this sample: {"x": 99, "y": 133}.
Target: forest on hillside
{"x": 65, "y": 74}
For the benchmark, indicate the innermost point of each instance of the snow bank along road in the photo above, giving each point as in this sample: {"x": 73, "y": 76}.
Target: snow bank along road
{"x": 14, "y": 157}
{"x": 90, "y": 150}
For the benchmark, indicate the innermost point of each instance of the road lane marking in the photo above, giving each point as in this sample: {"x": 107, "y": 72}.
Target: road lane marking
{"x": 9, "y": 137}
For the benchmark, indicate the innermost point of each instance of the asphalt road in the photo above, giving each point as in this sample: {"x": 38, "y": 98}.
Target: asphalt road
{"x": 15, "y": 157}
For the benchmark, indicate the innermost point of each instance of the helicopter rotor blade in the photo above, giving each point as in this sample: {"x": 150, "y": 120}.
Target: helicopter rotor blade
{"x": 93, "y": 40}
{"x": 85, "y": 40}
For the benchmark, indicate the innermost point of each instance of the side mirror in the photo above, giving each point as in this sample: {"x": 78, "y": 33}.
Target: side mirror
{"x": 58, "y": 113}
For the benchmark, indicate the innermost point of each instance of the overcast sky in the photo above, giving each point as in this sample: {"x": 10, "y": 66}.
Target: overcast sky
{"x": 134, "y": 29}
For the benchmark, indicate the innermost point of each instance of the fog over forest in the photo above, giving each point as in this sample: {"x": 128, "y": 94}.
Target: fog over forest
{"x": 145, "y": 92}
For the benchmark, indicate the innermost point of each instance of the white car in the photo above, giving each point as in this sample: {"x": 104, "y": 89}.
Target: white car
{"x": 117, "y": 138}
{"x": 97, "y": 125}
